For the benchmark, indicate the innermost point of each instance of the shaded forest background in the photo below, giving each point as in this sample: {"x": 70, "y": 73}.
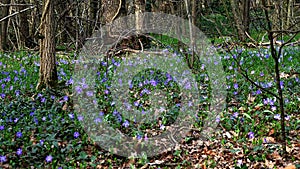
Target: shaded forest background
{"x": 76, "y": 20}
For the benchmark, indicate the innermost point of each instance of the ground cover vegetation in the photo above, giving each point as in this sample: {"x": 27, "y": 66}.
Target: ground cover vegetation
{"x": 258, "y": 46}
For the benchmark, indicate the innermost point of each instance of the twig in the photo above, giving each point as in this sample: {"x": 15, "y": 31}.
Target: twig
{"x": 6, "y": 5}
{"x": 13, "y": 14}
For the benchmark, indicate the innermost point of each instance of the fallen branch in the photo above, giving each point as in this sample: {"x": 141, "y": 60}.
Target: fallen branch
{"x": 13, "y": 14}
{"x": 6, "y": 5}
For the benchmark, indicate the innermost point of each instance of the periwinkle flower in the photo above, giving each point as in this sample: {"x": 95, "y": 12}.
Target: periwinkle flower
{"x": 277, "y": 116}
{"x": 76, "y": 134}
{"x": 236, "y": 86}
{"x": 19, "y": 134}
{"x": 19, "y": 151}
{"x": 125, "y": 124}
{"x": 89, "y": 93}
{"x": 250, "y": 135}
{"x": 3, "y": 159}
{"x": 49, "y": 159}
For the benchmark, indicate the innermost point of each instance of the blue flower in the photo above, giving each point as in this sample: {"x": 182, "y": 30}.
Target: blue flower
{"x": 19, "y": 134}
{"x": 19, "y": 152}
{"x": 277, "y": 116}
{"x": 80, "y": 118}
{"x": 236, "y": 86}
{"x": 78, "y": 89}
{"x": 98, "y": 120}
{"x": 218, "y": 119}
{"x": 89, "y": 93}
{"x": 258, "y": 92}
{"x": 71, "y": 116}
{"x": 42, "y": 142}
{"x": 126, "y": 124}
{"x": 2, "y": 159}
{"x": 76, "y": 134}
{"x": 49, "y": 158}
{"x": 251, "y": 135}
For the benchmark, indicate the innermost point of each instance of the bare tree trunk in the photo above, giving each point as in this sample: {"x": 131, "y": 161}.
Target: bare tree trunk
{"x": 24, "y": 26}
{"x": 48, "y": 73}
{"x": 237, "y": 20}
{"x": 139, "y": 9}
{"x": 3, "y": 25}
{"x": 276, "y": 57}
{"x": 192, "y": 45}
{"x": 289, "y": 13}
{"x": 246, "y": 15}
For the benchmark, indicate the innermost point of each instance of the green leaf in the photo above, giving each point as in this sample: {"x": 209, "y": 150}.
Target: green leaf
{"x": 247, "y": 115}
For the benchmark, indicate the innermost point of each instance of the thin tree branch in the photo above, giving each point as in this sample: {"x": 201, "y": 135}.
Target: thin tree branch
{"x": 7, "y": 5}
{"x": 13, "y": 14}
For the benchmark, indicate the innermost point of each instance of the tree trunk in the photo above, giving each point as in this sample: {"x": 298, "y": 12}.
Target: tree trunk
{"x": 24, "y": 26}
{"x": 246, "y": 15}
{"x": 3, "y": 25}
{"x": 48, "y": 73}
{"x": 237, "y": 20}
{"x": 139, "y": 9}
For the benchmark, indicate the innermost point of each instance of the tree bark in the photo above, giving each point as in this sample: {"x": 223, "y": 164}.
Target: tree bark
{"x": 3, "y": 25}
{"x": 246, "y": 15}
{"x": 139, "y": 9}
{"x": 48, "y": 73}
{"x": 237, "y": 20}
{"x": 24, "y": 26}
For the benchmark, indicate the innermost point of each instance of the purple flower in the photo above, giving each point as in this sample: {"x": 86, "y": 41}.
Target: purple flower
{"x": 42, "y": 142}
{"x": 139, "y": 137}
{"x": 71, "y": 116}
{"x": 236, "y": 86}
{"x": 262, "y": 74}
{"x": 66, "y": 98}
{"x": 1, "y": 127}
{"x": 76, "y": 134}
{"x": 98, "y": 120}
{"x": 16, "y": 120}
{"x": 126, "y": 124}
{"x": 258, "y": 91}
{"x": 235, "y": 115}
{"x": 251, "y": 135}
{"x": 2, "y": 159}
{"x": 218, "y": 119}
{"x": 78, "y": 89}
{"x": 49, "y": 158}
{"x": 136, "y": 104}
{"x": 89, "y": 93}
{"x": 153, "y": 82}
{"x": 19, "y": 134}
{"x": 287, "y": 118}
{"x": 19, "y": 151}
{"x": 267, "y": 56}
{"x": 281, "y": 84}
{"x": 239, "y": 163}
{"x": 84, "y": 86}
{"x": 277, "y": 116}
{"x": 3, "y": 95}
{"x": 43, "y": 100}
{"x": 80, "y": 118}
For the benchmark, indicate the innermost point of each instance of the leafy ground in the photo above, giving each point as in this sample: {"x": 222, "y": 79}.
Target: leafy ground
{"x": 41, "y": 129}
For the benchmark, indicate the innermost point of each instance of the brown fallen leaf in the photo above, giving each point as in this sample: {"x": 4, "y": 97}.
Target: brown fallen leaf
{"x": 269, "y": 140}
{"x": 290, "y": 167}
{"x": 271, "y": 132}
